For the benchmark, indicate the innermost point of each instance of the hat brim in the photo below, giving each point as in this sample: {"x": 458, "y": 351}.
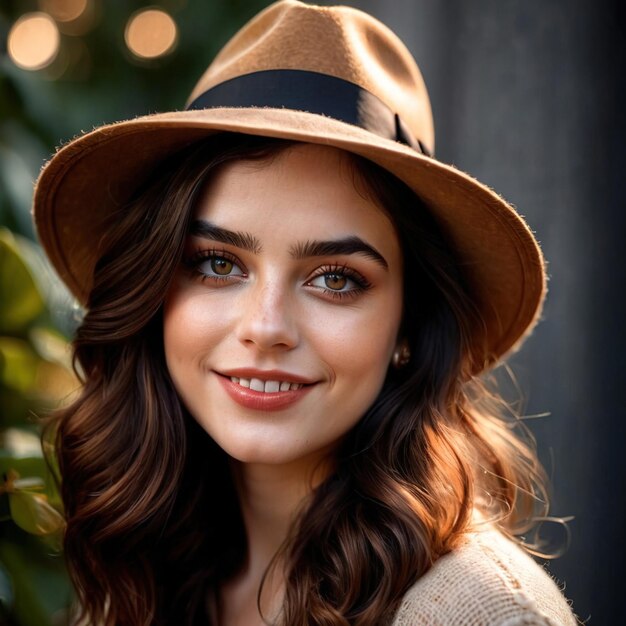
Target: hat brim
{"x": 94, "y": 173}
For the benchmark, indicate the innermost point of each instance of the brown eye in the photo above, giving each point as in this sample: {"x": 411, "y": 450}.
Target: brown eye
{"x": 221, "y": 266}
{"x": 336, "y": 282}
{"x": 339, "y": 282}
{"x": 218, "y": 267}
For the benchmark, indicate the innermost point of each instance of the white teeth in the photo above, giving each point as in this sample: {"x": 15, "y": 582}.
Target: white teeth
{"x": 257, "y": 385}
{"x": 270, "y": 386}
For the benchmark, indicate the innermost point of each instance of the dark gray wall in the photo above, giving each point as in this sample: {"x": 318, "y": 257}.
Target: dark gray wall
{"x": 526, "y": 96}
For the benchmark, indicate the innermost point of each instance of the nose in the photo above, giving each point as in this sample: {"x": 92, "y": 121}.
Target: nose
{"x": 267, "y": 321}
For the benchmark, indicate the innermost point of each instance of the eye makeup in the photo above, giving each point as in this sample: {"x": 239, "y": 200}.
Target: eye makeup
{"x": 217, "y": 260}
{"x": 218, "y": 266}
{"x": 336, "y": 273}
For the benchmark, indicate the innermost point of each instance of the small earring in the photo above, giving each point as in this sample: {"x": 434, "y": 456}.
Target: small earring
{"x": 401, "y": 356}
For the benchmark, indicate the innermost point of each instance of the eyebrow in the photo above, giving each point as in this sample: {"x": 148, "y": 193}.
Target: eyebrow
{"x": 246, "y": 241}
{"x": 207, "y": 230}
{"x": 346, "y": 245}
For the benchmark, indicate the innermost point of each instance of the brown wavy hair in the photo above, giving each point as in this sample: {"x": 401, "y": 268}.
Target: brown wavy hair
{"x": 153, "y": 521}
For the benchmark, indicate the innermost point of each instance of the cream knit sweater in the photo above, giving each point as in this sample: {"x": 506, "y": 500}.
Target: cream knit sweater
{"x": 487, "y": 581}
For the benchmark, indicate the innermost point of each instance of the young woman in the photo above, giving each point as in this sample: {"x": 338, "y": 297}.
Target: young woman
{"x": 288, "y": 305}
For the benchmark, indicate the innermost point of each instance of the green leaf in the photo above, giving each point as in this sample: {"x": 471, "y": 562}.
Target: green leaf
{"x": 20, "y": 300}
{"x": 15, "y": 407}
{"x": 32, "y": 513}
{"x": 18, "y": 364}
{"x": 46, "y": 383}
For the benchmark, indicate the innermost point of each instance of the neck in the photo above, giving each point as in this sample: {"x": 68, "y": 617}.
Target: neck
{"x": 271, "y": 496}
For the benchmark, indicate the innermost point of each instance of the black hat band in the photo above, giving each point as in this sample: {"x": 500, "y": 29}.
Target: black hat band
{"x": 312, "y": 92}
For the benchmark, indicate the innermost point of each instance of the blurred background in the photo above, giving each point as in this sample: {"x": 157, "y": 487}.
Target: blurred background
{"x": 528, "y": 96}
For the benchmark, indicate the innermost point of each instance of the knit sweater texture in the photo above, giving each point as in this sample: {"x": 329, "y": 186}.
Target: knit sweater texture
{"x": 487, "y": 581}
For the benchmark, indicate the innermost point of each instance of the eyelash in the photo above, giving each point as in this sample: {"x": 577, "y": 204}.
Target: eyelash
{"x": 362, "y": 284}
{"x": 193, "y": 262}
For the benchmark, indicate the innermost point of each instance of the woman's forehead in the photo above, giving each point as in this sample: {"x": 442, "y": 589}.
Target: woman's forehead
{"x": 306, "y": 190}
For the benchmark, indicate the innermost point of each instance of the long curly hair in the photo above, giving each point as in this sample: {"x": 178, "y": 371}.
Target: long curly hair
{"x": 153, "y": 520}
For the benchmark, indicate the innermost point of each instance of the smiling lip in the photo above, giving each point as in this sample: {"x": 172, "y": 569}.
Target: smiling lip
{"x": 250, "y": 372}
{"x": 264, "y": 400}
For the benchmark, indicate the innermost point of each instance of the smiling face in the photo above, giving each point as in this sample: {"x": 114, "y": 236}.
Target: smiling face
{"x": 280, "y": 324}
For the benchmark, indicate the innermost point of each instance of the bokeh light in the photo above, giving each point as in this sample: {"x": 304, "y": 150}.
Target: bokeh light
{"x": 64, "y": 10}
{"x": 151, "y": 33}
{"x": 33, "y": 41}
{"x": 73, "y": 17}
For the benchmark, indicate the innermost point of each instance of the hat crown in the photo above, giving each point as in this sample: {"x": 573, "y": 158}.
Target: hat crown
{"x": 337, "y": 41}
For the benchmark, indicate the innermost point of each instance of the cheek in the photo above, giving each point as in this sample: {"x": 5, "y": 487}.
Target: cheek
{"x": 175, "y": 330}
{"x": 358, "y": 361}
{"x": 188, "y": 328}
{"x": 357, "y": 348}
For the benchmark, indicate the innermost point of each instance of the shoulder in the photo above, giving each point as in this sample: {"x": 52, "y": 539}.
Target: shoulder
{"x": 488, "y": 580}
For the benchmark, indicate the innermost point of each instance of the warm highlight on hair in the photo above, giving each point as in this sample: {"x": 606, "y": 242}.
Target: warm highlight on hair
{"x": 153, "y": 521}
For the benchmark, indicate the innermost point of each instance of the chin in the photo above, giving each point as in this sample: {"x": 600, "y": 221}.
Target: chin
{"x": 261, "y": 455}
{"x": 268, "y": 452}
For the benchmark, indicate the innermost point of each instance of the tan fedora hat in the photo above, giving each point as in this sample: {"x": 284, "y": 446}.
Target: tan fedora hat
{"x": 327, "y": 75}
